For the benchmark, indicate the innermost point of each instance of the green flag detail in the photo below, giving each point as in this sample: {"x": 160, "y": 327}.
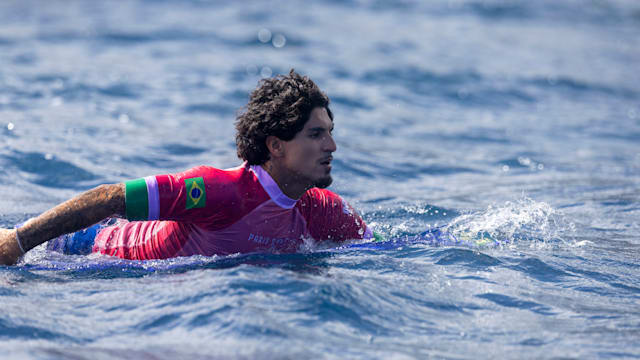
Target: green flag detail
{"x": 196, "y": 195}
{"x": 136, "y": 200}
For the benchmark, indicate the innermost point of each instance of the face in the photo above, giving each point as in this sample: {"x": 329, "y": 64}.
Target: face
{"x": 308, "y": 155}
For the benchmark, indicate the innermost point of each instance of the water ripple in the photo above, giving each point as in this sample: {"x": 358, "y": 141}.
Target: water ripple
{"x": 10, "y": 330}
{"x": 449, "y": 112}
{"x": 541, "y": 271}
{"x": 180, "y": 149}
{"x": 508, "y": 301}
{"x": 579, "y": 87}
{"x": 210, "y": 108}
{"x": 47, "y": 170}
{"x": 468, "y": 258}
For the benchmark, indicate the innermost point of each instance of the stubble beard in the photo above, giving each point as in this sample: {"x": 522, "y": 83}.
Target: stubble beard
{"x": 323, "y": 182}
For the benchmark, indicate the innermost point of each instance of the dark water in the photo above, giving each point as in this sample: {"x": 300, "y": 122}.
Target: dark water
{"x": 513, "y": 121}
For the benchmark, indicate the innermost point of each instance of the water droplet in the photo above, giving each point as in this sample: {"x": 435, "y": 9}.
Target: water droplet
{"x": 48, "y": 156}
{"x": 264, "y": 35}
{"x": 123, "y": 118}
{"x": 279, "y": 41}
{"x": 505, "y": 168}
{"x": 524, "y": 161}
{"x": 10, "y": 126}
{"x": 540, "y": 166}
{"x": 56, "y": 101}
{"x": 266, "y": 72}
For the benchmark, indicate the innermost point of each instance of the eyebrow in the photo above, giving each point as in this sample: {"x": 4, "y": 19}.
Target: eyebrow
{"x": 319, "y": 128}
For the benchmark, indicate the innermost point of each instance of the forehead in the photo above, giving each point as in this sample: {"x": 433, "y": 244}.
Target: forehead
{"x": 319, "y": 118}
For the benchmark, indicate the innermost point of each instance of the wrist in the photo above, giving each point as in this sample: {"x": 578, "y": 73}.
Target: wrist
{"x": 22, "y": 252}
{"x": 9, "y": 250}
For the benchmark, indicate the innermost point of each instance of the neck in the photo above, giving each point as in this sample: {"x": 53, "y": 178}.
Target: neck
{"x": 288, "y": 183}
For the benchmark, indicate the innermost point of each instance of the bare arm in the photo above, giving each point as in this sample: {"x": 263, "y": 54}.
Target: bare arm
{"x": 78, "y": 213}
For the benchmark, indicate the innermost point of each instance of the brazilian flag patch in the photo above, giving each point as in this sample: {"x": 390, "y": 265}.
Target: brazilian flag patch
{"x": 196, "y": 195}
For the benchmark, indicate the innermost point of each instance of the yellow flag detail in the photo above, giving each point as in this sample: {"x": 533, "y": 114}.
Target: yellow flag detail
{"x": 196, "y": 194}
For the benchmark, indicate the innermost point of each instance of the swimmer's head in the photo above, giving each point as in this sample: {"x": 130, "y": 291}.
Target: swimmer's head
{"x": 279, "y": 106}
{"x": 291, "y": 113}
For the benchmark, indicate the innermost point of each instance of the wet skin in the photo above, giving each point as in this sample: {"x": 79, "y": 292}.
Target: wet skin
{"x": 78, "y": 213}
{"x": 304, "y": 161}
{"x": 296, "y": 166}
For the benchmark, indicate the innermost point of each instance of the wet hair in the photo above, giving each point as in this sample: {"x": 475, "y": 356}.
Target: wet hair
{"x": 279, "y": 106}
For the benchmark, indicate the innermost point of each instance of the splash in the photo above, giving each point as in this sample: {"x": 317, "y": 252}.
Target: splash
{"x": 521, "y": 221}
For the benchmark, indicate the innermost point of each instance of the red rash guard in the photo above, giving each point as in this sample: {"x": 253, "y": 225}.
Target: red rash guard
{"x": 207, "y": 211}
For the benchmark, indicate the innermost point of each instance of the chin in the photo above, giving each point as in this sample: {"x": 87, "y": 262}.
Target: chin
{"x": 323, "y": 182}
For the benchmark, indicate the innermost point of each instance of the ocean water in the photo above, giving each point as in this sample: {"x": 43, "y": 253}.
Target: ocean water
{"x": 512, "y": 124}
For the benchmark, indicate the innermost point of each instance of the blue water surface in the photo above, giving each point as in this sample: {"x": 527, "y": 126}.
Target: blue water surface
{"x": 512, "y": 125}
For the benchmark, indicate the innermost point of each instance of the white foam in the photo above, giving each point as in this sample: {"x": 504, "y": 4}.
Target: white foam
{"x": 523, "y": 220}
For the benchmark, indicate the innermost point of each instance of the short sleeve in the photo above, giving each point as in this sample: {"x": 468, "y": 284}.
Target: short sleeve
{"x": 329, "y": 217}
{"x": 196, "y": 195}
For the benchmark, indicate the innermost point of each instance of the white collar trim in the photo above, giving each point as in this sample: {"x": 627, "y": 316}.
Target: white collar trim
{"x": 272, "y": 188}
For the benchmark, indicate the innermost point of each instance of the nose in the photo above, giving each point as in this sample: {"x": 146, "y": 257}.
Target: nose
{"x": 330, "y": 144}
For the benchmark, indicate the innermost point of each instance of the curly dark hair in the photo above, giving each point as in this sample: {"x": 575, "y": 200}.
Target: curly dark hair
{"x": 279, "y": 106}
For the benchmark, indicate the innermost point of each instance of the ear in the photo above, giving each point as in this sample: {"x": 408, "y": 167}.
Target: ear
{"x": 275, "y": 146}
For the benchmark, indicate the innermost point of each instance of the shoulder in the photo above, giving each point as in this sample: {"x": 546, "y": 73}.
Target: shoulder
{"x": 214, "y": 173}
{"x": 315, "y": 195}
{"x": 214, "y": 181}
{"x": 316, "y": 199}
{"x": 211, "y": 175}
{"x": 329, "y": 217}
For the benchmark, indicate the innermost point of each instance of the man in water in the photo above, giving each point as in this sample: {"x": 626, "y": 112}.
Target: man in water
{"x": 274, "y": 201}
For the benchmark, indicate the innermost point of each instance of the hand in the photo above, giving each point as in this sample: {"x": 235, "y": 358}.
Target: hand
{"x": 9, "y": 250}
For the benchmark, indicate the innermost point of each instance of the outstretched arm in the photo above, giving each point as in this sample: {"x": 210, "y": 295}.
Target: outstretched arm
{"x": 78, "y": 213}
